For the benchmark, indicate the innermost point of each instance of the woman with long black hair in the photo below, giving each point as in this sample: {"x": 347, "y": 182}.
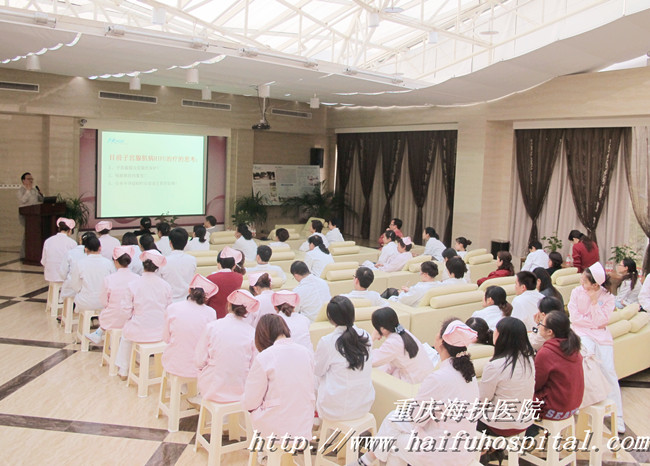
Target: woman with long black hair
{"x": 342, "y": 367}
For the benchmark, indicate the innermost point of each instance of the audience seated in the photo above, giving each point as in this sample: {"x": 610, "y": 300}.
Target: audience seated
{"x": 495, "y": 306}
{"x": 87, "y": 277}
{"x": 555, "y": 262}
{"x": 544, "y": 306}
{"x": 313, "y": 291}
{"x": 334, "y": 234}
{"x": 259, "y": 285}
{"x": 456, "y": 268}
{"x": 315, "y": 229}
{"x": 433, "y": 246}
{"x": 536, "y": 257}
{"x": 460, "y": 245}
{"x": 412, "y": 295}
{"x": 396, "y": 262}
{"x": 225, "y": 351}
{"x": 264, "y": 254}
{"x": 504, "y": 267}
{"x": 145, "y": 227}
{"x": 199, "y": 242}
{"x": 228, "y": 278}
{"x": 401, "y": 354}
{"x": 524, "y": 306}
{"x": 394, "y": 226}
{"x": 285, "y": 303}
{"x": 484, "y": 335}
{"x": 342, "y": 366}
{"x": 630, "y": 287}
{"x": 389, "y": 246}
{"x": 446, "y": 255}
{"x": 180, "y": 267}
{"x": 147, "y": 243}
{"x": 130, "y": 239}
{"x": 363, "y": 278}
{"x": 162, "y": 244}
{"x": 55, "y": 250}
{"x": 318, "y": 256}
{"x": 108, "y": 242}
{"x": 245, "y": 243}
{"x": 210, "y": 225}
{"x": 71, "y": 258}
{"x": 281, "y": 237}
{"x": 545, "y": 285}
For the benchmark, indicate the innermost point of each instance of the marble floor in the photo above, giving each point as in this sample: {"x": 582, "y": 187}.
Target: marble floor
{"x": 57, "y": 406}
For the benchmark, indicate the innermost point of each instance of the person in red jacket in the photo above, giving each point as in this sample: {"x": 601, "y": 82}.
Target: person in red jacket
{"x": 559, "y": 378}
{"x": 504, "y": 267}
{"x": 585, "y": 251}
{"x": 228, "y": 278}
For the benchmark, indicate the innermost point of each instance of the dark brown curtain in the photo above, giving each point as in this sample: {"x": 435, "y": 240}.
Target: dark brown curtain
{"x": 636, "y": 155}
{"x": 447, "y": 142}
{"x": 346, "y": 145}
{"x": 392, "y": 154}
{"x": 536, "y": 152}
{"x": 421, "y": 155}
{"x": 591, "y": 157}
{"x": 368, "y": 153}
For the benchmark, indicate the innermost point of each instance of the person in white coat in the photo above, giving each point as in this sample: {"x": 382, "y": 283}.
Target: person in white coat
{"x": 628, "y": 291}
{"x": 280, "y": 393}
{"x": 264, "y": 254}
{"x": 318, "y": 256}
{"x": 334, "y": 234}
{"x": 363, "y": 278}
{"x": 285, "y": 303}
{"x": 401, "y": 354}
{"x": 397, "y": 262}
{"x": 245, "y": 243}
{"x": 181, "y": 267}
{"x": 536, "y": 257}
{"x": 55, "y": 250}
{"x": 259, "y": 284}
{"x": 162, "y": 244}
{"x": 72, "y": 257}
{"x": 109, "y": 243}
{"x": 495, "y": 306}
{"x": 524, "y": 306}
{"x": 199, "y": 242}
{"x": 315, "y": 229}
{"x": 87, "y": 277}
{"x": 433, "y": 246}
{"x": 342, "y": 366}
{"x": 130, "y": 239}
{"x": 313, "y": 291}
{"x": 411, "y": 295}
{"x": 450, "y": 253}
{"x": 225, "y": 351}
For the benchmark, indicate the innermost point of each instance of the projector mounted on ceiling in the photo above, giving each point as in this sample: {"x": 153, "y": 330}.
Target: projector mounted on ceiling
{"x": 262, "y": 125}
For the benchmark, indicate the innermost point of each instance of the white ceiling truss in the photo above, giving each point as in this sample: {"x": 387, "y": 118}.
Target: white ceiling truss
{"x": 335, "y": 37}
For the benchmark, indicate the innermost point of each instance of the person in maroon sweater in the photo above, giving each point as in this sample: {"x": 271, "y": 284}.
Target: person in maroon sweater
{"x": 585, "y": 251}
{"x": 228, "y": 278}
{"x": 504, "y": 267}
{"x": 559, "y": 378}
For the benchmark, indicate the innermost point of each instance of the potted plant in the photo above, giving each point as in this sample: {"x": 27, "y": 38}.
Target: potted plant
{"x": 251, "y": 210}
{"x": 621, "y": 252}
{"x": 554, "y": 243}
{"x": 75, "y": 209}
{"x": 319, "y": 203}
{"x": 162, "y": 218}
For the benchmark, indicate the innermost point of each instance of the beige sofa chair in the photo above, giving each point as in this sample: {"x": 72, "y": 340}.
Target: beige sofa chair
{"x": 220, "y": 239}
{"x": 443, "y": 302}
{"x": 479, "y": 263}
{"x": 340, "y": 276}
{"x": 565, "y": 280}
{"x": 349, "y": 251}
{"x": 301, "y": 229}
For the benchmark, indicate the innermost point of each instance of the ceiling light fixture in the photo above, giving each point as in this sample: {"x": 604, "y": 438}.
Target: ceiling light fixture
{"x": 192, "y": 76}
{"x": 314, "y": 102}
{"x": 206, "y": 93}
{"x": 264, "y": 91}
{"x": 33, "y": 63}
{"x": 134, "y": 83}
{"x": 159, "y": 15}
{"x": 433, "y": 38}
{"x": 373, "y": 19}
{"x": 392, "y": 8}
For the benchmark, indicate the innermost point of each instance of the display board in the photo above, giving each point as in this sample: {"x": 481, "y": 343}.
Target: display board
{"x": 280, "y": 182}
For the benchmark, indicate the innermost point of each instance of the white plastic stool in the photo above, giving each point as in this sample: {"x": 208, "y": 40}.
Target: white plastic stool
{"x": 358, "y": 426}
{"x": 141, "y": 377}
{"x": 111, "y": 345}
{"x": 217, "y": 413}
{"x": 83, "y": 327}
{"x": 67, "y": 316}
{"x": 513, "y": 457}
{"x": 171, "y": 405}
{"x": 53, "y": 298}
{"x": 596, "y": 414}
{"x": 275, "y": 457}
{"x": 552, "y": 455}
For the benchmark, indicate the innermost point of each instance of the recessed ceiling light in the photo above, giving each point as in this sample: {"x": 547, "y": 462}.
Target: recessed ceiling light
{"x": 393, "y": 9}
{"x": 489, "y": 32}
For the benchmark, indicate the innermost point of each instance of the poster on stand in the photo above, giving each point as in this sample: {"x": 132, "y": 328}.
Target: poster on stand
{"x": 280, "y": 182}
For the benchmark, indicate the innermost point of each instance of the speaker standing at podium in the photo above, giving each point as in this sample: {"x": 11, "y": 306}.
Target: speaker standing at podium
{"x": 28, "y": 194}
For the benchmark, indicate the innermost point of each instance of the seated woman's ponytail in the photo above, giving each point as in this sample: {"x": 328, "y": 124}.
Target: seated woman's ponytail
{"x": 352, "y": 346}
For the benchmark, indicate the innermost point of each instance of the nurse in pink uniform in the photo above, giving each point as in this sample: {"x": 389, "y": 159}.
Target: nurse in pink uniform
{"x": 225, "y": 351}
{"x": 285, "y": 302}
{"x": 260, "y": 287}
{"x": 280, "y": 392}
{"x": 55, "y": 250}
{"x": 150, "y": 295}
{"x": 115, "y": 295}
{"x": 184, "y": 324}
